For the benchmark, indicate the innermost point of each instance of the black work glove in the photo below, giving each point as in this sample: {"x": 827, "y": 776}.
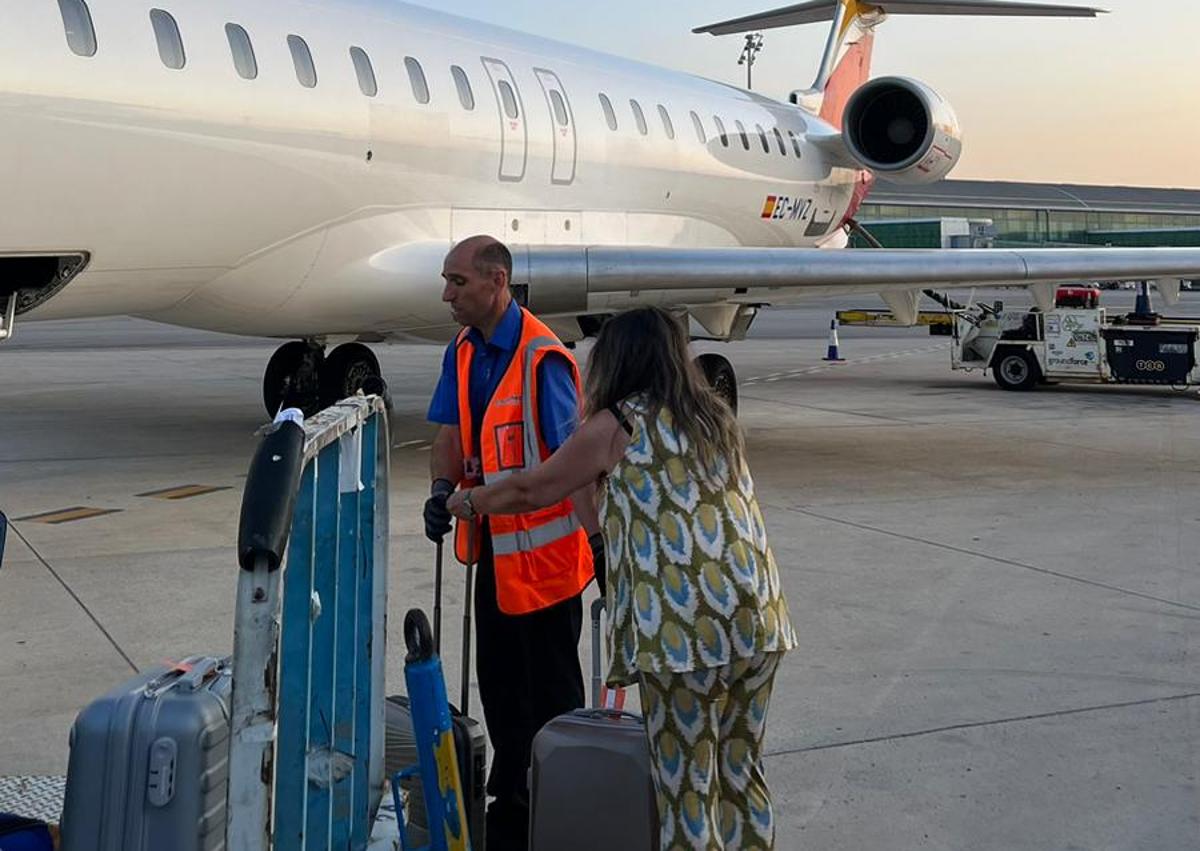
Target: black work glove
{"x": 437, "y": 516}
{"x": 599, "y": 563}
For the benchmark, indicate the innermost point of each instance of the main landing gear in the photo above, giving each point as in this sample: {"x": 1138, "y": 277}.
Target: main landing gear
{"x": 301, "y": 375}
{"x": 718, "y": 371}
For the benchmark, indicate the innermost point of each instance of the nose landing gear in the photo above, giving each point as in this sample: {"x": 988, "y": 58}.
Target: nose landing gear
{"x": 301, "y": 375}
{"x": 347, "y": 369}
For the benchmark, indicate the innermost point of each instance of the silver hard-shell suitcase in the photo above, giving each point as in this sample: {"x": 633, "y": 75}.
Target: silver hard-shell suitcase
{"x": 590, "y": 785}
{"x": 149, "y": 763}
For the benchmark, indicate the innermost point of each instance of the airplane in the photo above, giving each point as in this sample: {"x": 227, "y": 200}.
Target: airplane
{"x": 298, "y": 170}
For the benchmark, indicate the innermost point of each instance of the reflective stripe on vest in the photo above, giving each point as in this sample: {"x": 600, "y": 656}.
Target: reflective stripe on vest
{"x": 527, "y": 540}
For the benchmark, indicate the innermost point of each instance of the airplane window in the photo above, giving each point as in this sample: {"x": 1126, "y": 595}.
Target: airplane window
{"x": 741, "y": 128}
{"x": 242, "y": 51}
{"x": 416, "y": 76}
{"x": 639, "y": 117}
{"x": 366, "y": 74}
{"x": 461, "y": 82}
{"x": 509, "y": 99}
{"x": 795, "y": 144}
{"x": 77, "y": 21}
{"x": 762, "y": 135}
{"x": 779, "y": 140}
{"x": 721, "y": 130}
{"x": 166, "y": 33}
{"x": 560, "y": 108}
{"x": 668, "y": 127}
{"x": 699, "y": 125}
{"x": 306, "y": 72}
{"x": 609, "y": 115}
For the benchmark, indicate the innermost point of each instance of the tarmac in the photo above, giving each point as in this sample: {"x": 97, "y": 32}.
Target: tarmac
{"x": 997, "y": 594}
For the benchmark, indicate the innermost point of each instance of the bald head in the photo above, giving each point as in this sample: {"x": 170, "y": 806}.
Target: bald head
{"x": 487, "y": 254}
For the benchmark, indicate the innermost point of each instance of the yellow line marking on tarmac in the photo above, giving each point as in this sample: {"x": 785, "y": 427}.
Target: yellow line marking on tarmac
{"x": 68, "y": 515}
{"x": 184, "y": 491}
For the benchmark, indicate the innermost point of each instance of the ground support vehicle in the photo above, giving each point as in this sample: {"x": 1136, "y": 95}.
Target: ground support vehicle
{"x": 1024, "y": 348}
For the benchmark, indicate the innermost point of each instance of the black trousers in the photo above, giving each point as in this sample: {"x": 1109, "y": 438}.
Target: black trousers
{"x": 529, "y": 672}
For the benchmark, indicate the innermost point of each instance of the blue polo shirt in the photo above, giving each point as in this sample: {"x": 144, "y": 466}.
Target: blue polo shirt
{"x": 558, "y": 403}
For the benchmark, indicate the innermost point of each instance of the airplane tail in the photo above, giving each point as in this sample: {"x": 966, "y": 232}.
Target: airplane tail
{"x": 846, "y": 63}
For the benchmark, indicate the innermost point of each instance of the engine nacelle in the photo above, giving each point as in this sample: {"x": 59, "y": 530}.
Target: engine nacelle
{"x": 902, "y": 130}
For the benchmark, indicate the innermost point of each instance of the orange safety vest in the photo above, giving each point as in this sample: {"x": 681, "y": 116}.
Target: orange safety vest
{"x": 543, "y": 557}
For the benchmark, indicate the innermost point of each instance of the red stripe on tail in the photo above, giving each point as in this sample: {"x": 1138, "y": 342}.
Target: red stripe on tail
{"x": 851, "y": 72}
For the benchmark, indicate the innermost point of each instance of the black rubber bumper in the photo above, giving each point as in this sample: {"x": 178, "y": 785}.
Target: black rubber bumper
{"x": 270, "y": 496}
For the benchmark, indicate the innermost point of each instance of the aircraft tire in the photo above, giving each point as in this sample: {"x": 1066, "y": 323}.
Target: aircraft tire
{"x": 718, "y": 371}
{"x": 345, "y": 371}
{"x": 291, "y": 376}
{"x": 1016, "y": 369}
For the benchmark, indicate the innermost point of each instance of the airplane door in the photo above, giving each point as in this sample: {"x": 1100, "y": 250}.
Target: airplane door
{"x": 514, "y": 134}
{"x": 562, "y": 120}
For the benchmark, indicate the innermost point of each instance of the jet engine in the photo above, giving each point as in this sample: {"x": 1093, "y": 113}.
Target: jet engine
{"x": 902, "y": 130}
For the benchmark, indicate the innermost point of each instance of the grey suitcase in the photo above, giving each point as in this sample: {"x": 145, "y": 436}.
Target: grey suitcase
{"x": 149, "y": 763}
{"x": 590, "y": 786}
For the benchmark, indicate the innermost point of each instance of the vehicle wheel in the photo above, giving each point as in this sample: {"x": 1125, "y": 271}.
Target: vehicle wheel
{"x": 292, "y": 375}
{"x": 1016, "y": 369}
{"x": 346, "y": 369}
{"x": 720, "y": 376}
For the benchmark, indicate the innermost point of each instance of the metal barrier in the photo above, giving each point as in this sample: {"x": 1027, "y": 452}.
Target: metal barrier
{"x": 306, "y": 754}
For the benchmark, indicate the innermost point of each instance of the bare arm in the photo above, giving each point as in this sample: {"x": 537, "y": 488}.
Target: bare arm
{"x": 446, "y": 456}
{"x": 586, "y": 508}
{"x": 591, "y": 451}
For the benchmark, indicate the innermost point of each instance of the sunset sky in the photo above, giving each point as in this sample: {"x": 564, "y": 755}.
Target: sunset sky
{"x": 1114, "y": 100}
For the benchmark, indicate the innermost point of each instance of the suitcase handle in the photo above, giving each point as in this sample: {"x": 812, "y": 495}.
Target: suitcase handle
{"x": 189, "y": 674}
{"x": 465, "y": 696}
{"x": 597, "y": 675}
{"x": 200, "y": 671}
{"x": 609, "y": 714}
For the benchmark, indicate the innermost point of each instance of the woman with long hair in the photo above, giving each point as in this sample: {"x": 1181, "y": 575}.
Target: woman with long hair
{"x": 698, "y": 619}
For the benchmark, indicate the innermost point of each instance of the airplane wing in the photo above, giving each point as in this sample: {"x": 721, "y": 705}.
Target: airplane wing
{"x": 610, "y": 269}
{"x": 766, "y": 274}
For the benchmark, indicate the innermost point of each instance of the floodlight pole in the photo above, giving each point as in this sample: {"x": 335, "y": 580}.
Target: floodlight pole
{"x": 750, "y": 50}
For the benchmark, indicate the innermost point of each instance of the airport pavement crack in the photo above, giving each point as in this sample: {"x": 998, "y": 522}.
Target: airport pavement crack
{"x": 975, "y": 725}
{"x": 74, "y": 597}
{"x": 1045, "y": 571}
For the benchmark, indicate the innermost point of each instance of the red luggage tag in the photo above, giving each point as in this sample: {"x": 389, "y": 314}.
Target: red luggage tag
{"x": 612, "y": 698}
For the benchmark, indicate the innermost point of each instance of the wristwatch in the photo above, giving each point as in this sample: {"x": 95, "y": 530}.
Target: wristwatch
{"x": 470, "y": 505}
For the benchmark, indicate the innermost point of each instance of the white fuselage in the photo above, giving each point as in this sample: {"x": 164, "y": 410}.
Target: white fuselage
{"x": 261, "y": 206}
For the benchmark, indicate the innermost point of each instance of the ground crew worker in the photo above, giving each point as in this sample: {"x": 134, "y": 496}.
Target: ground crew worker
{"x": 507, "y": 398}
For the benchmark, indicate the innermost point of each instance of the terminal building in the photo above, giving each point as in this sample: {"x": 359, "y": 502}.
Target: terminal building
{"x": 991, "y": 214}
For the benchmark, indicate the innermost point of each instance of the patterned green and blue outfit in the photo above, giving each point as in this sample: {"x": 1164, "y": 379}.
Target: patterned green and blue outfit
{"x": 700, "y": 622}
